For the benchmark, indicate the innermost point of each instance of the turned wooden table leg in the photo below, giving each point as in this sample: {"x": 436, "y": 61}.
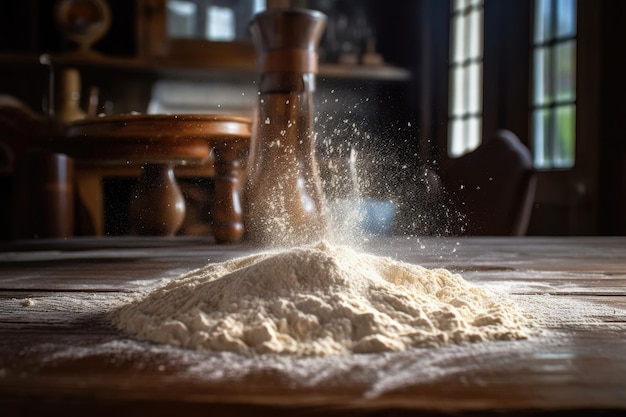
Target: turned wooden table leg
{"x": 227, "y": 213}
{"x": 158, "y": 206}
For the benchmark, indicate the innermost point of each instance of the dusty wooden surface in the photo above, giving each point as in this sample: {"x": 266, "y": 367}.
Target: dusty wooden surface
{"x": 60, "y": 355}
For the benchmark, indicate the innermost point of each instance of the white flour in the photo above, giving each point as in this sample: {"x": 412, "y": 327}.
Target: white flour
{"x": 319, "y": 300}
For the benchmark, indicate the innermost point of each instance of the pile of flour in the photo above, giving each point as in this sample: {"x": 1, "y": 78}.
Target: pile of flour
{"x": 319, "y": 300}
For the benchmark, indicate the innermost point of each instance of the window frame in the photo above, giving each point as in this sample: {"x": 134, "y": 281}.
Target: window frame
{"x": 549, "y": 152}
{"x": 465, "y": 77}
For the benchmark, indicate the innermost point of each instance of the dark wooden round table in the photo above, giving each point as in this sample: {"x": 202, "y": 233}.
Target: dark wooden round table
{"x": 158, "y": 143}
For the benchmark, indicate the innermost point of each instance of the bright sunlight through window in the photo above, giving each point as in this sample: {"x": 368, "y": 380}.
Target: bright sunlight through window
{"x": 466, "y": 77}
{"x": 554, "y": 84}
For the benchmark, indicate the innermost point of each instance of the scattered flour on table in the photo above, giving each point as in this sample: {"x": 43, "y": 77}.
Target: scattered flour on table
{"x": 320, "y": 300}
{"x": 27, "y": 302}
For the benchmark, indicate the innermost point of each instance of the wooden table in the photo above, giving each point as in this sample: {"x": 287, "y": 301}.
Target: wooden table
{"x": 158, "y": 143}
{"x": 60, "y": 355}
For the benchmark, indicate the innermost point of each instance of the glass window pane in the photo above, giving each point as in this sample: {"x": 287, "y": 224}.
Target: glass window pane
{"x": 455, "y": 141}
{"x": 258, "y": 6}
{"x": 458, "y": 30}
{"x": 220, "y": 23}
{"x": 464, "y": 45}
{"x": 475, "y": 26}
{"x": 465, "y": 135}
{"x": 565, "y": 63}
{"x": 541, "y": 138}
{"x": 474, "y": 126}
{"x": 181, "y": 19}
{"x": 541, "y": 76}
{"x": 566, "y": 13}
{"x": 458, "y": 92}
{"x": 543, "y": 19}
{"x": 474, "y": 88}
{"x": 458, "y": 5}
{"x": 564, "y": 145}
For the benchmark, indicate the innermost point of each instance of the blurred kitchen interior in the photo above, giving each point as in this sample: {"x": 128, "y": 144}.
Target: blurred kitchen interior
{"x": 383, "y": 89}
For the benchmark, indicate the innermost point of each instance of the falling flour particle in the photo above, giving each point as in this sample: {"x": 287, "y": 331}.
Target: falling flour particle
{"x": 319, "y": 300}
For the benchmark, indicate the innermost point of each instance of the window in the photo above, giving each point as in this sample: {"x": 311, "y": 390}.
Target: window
{"x": 466, "y": 77}
{"x": 220, "y": 21}
{"x": 553, "y": 106}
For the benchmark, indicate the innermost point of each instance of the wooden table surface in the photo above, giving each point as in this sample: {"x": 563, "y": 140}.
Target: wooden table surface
{"x": 60, "y": 355}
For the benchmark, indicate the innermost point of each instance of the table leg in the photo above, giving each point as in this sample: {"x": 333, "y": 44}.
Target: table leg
{"x": 157, "y": 207}
{"x": 90, "y": 194}
{"x": 227, "y": 212}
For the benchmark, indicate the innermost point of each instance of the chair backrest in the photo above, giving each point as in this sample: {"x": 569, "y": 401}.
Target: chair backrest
{"x": 36, "y": 185}
{"x": 18, "y": 125}
{"x": 494, "y": 186}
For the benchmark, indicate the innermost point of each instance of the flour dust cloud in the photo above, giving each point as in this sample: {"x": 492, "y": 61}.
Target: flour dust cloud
{"x": 369, "y": 159}
{"x": 327, "y": 298}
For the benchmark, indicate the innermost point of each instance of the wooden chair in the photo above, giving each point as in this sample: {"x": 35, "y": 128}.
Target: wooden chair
{"x": 494, "y": 186}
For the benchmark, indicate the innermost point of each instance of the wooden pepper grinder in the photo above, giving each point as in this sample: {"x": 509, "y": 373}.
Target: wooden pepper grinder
{"x": 284, "y": 199}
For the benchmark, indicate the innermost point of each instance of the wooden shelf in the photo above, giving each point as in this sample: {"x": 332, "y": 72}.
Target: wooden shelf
{"x": 165, "y": 66}
{"x": 371, "y": 72}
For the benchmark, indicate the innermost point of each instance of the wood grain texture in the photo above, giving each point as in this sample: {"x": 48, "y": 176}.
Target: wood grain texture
{"x": 59, "y": 353}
